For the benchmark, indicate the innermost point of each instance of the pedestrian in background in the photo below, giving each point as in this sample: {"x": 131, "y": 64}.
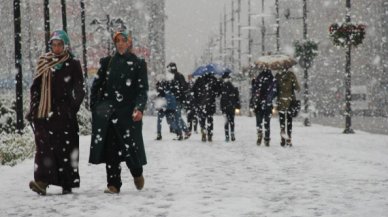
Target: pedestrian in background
{"x": 230, "y": 101}
{"x": 264, "y": 89}
{"x": 206, "y": 88}
{"x": 287, "y": 85}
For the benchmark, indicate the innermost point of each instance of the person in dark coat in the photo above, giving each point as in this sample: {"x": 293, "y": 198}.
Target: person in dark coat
{"x": 118, "y": 99}
{"x": 167, "y": 109}
{"x": 264, "y": 90}
{"x": 56, "y": 94}
{"x": 179, "y": 88}
{"x": 230, "y": 101}
{"x": 191, "y": 107}
{"x": 287, "y": 85}
{"x": 206, "y": 88}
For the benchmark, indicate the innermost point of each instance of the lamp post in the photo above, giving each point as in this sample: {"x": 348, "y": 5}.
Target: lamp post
{"x": 84, "y": 52}
{"x": 46, "y": 12}
{"x": 348, "y": 80}
{"x": 18, "y": 66}
{"x": 277, "y": 26}
{"x": 64, "y": 19}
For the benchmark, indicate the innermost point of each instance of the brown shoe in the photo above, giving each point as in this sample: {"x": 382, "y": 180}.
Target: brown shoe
{"x": 139, "y": 182}
{"x": 38, "y": 187}
{"x": 111, "y": 190}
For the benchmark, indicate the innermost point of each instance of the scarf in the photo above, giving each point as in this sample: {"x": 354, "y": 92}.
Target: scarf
{"x": 47, "y": 64}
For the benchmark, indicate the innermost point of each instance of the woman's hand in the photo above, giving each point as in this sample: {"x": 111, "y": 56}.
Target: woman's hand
{"x": 137, "y": 115}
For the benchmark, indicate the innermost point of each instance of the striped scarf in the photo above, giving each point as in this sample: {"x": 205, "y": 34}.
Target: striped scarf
{"x": 46, "y": 65}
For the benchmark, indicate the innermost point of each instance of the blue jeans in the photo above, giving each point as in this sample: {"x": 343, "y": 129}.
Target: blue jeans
{"x": 178, "y": 117}
{"x": 170, "y": 116}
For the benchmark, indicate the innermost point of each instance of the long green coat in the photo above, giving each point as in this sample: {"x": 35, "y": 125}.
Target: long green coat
{"x": 287, "y": 85}
{"x": 120, "y": 87}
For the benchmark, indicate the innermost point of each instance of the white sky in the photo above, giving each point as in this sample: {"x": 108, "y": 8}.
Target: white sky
{"x": 188, "y": 27}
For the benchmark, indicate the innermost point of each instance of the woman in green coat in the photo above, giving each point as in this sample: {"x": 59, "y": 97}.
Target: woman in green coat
{"x": 118, "y": 99}
{"x": 287, "y": 84}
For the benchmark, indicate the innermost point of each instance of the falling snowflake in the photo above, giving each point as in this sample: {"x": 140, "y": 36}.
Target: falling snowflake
{"x": 67, "y": 79}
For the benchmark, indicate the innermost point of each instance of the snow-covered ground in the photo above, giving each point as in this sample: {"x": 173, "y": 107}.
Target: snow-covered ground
{"x": 326, "y": 173}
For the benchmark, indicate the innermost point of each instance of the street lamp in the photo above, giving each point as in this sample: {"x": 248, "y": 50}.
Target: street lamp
{"x": 18, "y": 66}
{"x": 348, "y": 80}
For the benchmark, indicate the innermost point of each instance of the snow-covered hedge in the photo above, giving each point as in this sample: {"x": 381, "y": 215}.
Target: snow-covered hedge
{"x": 16, "y": 147}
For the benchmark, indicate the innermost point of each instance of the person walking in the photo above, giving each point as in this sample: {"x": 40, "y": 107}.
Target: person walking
{"x": 287, "y": 85}
{"x": 230, "y": 101}
{"x": 179, "y": 88}
{"x": 118, "y": 99}
{"x": 206, "y": 88}
{"x": 191, "y": 107}
{"x": 167, "y": 108}
{"x": 264, "y": 88}
{"x": 56, "y": 94}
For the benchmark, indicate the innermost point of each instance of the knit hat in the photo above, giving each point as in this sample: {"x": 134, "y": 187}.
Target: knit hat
{"x": 123, "y": 33}
{"x": 60, "y": 35}
{"x": 172, "y": 67}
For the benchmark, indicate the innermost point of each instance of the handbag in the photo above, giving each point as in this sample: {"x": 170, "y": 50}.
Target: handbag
{"x": 295, "y": 106}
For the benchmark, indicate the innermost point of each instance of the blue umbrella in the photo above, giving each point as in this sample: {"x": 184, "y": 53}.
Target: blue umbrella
{"x": 212, "y": 68}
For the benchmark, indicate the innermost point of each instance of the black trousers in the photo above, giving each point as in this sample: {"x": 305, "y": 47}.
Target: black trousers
{"x": 192, "y": 121}
{"x": 206, "y": 117}
{"x": 264, "y": 114}
{"x": 285, "y": 119}
{"x": 229, "y": 121}
{"x": 113, "y": 160}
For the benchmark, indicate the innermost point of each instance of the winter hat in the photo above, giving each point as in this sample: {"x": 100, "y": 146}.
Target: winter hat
{"x": 226, "y": 75}
{"x": 123, "y": 33}
{"x": 172, "y": 67}
{"x": 60, "y": 35}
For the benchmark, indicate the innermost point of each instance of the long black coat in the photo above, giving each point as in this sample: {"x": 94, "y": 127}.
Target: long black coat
{"x": 264, "y": 90}
{"x": 115, "y": 95}
{"x": 206, "y": 88}
{"x": 179, "y": 87}
{"x": 56, "y": 138}
{"x": 230, "y": 99}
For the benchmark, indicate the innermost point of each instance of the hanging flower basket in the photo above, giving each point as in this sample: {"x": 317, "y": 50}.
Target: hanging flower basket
{"x": 347, "y": 34}
{"x": 305, "y": 52}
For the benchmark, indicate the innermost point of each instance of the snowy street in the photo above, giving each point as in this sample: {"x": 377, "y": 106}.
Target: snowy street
{"x": 326, "y": 173}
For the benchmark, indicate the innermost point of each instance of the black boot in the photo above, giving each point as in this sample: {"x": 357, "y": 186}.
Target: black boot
{"x": 232, "y": 137}
{"x": 209, "y": 137}
{"x": 266, "y": 142}
{"x": 289, "y": 143}
{"x": 282, "y": 142}
{"x": 159, "y": 136}
{"x": 203, "y": 135}
{"x": 259, "y": 137}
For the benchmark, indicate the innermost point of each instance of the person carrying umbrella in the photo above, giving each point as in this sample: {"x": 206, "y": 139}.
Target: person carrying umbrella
{"x": 206, "y": 88}
{"x": 287, "y": 84}
{"x": 264, "y": 88}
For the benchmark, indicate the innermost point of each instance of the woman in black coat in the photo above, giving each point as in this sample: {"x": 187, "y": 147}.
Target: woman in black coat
{"x": 206, "y": 88}
{"x": 118, "y": 101}
{"x": 56, "y": 95}
{"x": 230, "y": 101}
